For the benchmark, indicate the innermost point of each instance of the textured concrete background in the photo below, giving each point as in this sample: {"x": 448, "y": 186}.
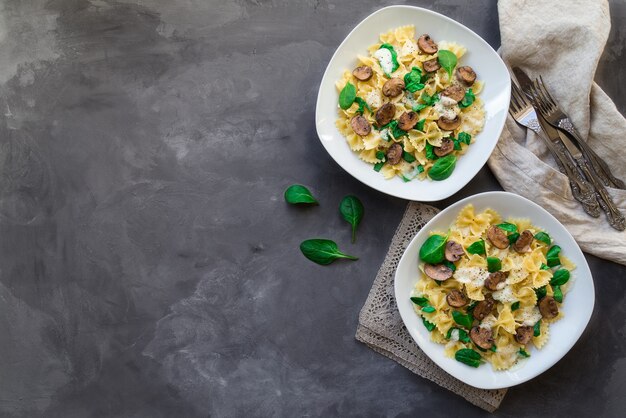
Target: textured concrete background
{"x": 149, "y": 266}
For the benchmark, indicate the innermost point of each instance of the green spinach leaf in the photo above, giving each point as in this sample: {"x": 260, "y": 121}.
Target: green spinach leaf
{"x": 429, "y": 150}
{"x": 462, "y": 319}
{"x": 298, "y": 194}
{"x": 552, "y": 257}
{"x": 429, "y": 325}
{"x": 493, "y": 264}
{"x": 433, "y": 249}
{"x": 362, "y": 105}
{"x": 544, "y": 267}
{"x": 468, "y": 99}
{"x": 322, "y": 251}
{"x": 428, "y": 309}
{"x": 514, "y": 306}
{"x": 447, "y": 60}
{"x": 408, "y": 157}
{"x": 449, "y": 264}
{"x": 537, "y": 329}
{"x": 508, "y": 227}
{"x": 477, "y": 247}
{"x": 513, "y": 237}
{"x": 541, "y": 293}
{"x": 420, "y": 125}
{"x": 427, "y": 100}
{"x": 352, "y": 210}
{"x": 543, "y": 237}
{"x": 419, "y": 300}
{"x": 413, "y": 80}
{"x": 347, "y": 96}
{"x": 465, "y": 137}
{"x": 442, "y": 168}
{"x": 468, "y": 356}
{"x": 558, "y": 293}
{"x": 559, "y": 277}
{"x": 493, "y": 349}
{"x": 523, "y": 353}
{"x": 380, "y": 155}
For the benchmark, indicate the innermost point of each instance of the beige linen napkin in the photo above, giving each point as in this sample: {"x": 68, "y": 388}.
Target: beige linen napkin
{"x": 563, "y": 41}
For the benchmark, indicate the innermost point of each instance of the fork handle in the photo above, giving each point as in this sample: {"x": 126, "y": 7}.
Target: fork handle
{"x": 600, "y": 167}
{"x": 582, "y": 190}
{"x": 613, "y": 215}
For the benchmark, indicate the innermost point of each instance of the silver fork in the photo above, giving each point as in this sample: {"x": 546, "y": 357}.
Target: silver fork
{"x": 613, "y": 215}
{"x": 524, "y": 114}
{"x": 559, "y": 119}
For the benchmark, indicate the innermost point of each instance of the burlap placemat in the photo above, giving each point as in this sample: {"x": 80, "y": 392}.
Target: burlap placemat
{"x": 382, "y": 329}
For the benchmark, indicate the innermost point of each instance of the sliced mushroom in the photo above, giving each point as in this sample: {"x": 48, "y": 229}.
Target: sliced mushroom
{"x": 548, "y": 307}
{"x": 454, "y": 92}
{"x": 495, "y": 279}
{"x": 363, "y": 72}
{"x": 524, "y": 334}
{"x": 522, "y": 245}
{"x": 394, "y": 154}
{"x": 360, "y": 125}
{"x": 446, "y": 147}
{"x": 456, "y": 298}
{"x": 426, "y": 44}
{"x": 432, "y": 65}
{"x": 438, "y": 271}
{"x": 385, "y": 114}
{"x": 482, "y": 337}
{"x": 484, "y": 308}
{"x": 393, "y": 87}
{"x": 466, "y": 75}
{"x": 449, "y": 124}
{"x": 407, "y": 120}
{"x": 497, "y": 237}
{"x": 454, "y": 251}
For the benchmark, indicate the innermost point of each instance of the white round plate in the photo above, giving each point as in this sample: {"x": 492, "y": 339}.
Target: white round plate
{"x": 480, "y": 56}
{"x": 577, "y": 304}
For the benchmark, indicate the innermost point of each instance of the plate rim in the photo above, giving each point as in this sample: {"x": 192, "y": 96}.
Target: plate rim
{"x": 584, "y": 266}
{"x": 407, "y": 194}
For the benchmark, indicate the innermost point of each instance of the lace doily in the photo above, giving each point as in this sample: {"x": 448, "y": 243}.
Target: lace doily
{"x": 382, "y": 329}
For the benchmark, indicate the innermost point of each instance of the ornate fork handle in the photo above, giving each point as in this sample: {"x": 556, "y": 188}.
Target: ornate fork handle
{"x": 582, "y": 190}
{"x": 613, "y": 215}
{"x": 599, "y": 166}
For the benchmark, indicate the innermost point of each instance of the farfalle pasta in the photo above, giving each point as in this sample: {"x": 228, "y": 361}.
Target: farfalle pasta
{"x": 409, "y": 108}
{"x": 489, "y": 289}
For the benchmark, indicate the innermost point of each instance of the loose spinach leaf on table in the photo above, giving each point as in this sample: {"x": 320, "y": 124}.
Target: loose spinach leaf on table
{"x": 468, "y": 356}
{"x": 543, "y": 237}
{"x": 352, "y": 210}
{"x": 477, "y": 247}
{"x": 433, "y": 249}
{"x": 442, "y": 168}
{"x": 298, "y": 194}
{"x": 447, "y": 60}
{"x": 322, "y": 251}
{"x": 347, "y": 96}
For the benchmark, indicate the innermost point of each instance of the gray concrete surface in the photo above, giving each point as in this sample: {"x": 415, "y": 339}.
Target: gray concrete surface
{"x": 148, "y": 264}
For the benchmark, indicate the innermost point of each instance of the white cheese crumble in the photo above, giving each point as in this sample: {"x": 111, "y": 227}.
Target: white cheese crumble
{"x": 447, "y": 101}
{"x": 529, "y": 315}
{"x": 409, "y": 100}
{"x": 409, "y": 47}
{"x": 454, "y": 335}
{"x": 373, "y": 99}
{"x": 471, "y": 275}
{"x": 383, "y": 55}
{"x": 446, "y": 111}
{"x": 505, "y": 294}
{"x": 384, "y": 134}
{"x": 488, "y": 322}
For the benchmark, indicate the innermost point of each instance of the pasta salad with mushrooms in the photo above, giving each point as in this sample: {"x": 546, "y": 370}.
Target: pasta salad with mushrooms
{"x": 489, "y": 289}
{"x": 409, "y": 108}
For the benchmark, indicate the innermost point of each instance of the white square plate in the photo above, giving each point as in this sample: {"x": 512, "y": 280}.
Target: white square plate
{"x": 480, "y": 56}
{"x": 577, "y": 304}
